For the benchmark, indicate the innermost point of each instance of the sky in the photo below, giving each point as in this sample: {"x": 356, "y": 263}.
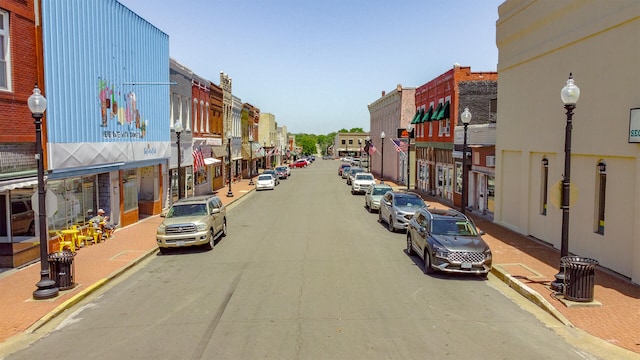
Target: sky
{"x": 317, "y": 64}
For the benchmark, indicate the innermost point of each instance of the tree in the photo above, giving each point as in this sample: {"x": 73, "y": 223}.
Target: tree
{"x": 356, "y": 130}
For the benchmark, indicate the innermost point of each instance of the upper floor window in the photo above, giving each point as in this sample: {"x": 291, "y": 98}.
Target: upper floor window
{"x": 195, "y": 115}
{"x": 5, "y": 63}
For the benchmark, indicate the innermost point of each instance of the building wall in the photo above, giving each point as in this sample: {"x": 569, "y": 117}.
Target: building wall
{"x": 539, "y": 44}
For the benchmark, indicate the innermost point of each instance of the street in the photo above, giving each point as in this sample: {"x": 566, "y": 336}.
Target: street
{"x": 305, "y": 273}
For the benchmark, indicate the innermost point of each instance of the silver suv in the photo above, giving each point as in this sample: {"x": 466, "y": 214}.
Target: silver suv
{"x": 397, "y": 209}
{"x": 198, "y": 220}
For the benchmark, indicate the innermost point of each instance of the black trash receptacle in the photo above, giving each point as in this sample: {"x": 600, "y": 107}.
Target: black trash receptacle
{"x": 579, "y": 278}
{"x": 61, "y": 269}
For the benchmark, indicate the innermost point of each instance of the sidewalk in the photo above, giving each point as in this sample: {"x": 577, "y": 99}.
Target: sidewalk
{"x": 525, "y": 264}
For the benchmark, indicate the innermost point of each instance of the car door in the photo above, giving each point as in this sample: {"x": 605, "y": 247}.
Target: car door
{"x": 217, "y": 222}
{"x": 385, "y": 206}
{"x": 420, "y": 237}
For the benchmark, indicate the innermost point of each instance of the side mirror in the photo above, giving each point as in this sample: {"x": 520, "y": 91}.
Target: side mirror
{"x": 215, "y": 211}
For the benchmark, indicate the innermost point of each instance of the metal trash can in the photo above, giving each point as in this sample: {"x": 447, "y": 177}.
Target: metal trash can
{"x": 579, "y": 278}
{"x": 62, "y": 269}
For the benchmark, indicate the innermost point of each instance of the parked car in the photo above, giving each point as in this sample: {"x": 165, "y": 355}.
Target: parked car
{"x": 341, "y": 168}
{"x": 352, "y": 173}
{"x": 282, "y": 172}
{"x": 361, "y": 183}
{"x": 273, "y": 173}
{"x": 373, "y": 196}
{"x": 397, "y": 209}
{"x": 265, "y": 181}
{"x": 22, "y": 216}
{"x": 300, "y": 163}
{"x": 345, "y": 172}
{"x": 198, "y": 220}
{"x": 448, "y": 241}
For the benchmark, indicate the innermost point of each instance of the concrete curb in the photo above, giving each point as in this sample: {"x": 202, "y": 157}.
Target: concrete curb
{"x": 86, "y": 292}
{"x": 529, "y": 294}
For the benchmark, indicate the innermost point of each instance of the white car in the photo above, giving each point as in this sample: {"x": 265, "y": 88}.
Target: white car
{"x": 361, "y": 182}
{"x": 265, "y": 181}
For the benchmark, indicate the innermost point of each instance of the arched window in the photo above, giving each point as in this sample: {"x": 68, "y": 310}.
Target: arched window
{"x": 544, "y": 186}
{"x": 195, "y": 115}
{"x": 601, "y": 190}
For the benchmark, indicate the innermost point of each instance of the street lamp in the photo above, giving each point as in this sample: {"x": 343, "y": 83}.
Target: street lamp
{"x": 569, "y": 94}
{"x": 250, "y": 158}
{"x": 46, "y": 287}
{"x": 410, "y": 134}
{"x": 368, "y": 142}
{"x": 466, "y": 119}
{"x": 229, "y": 193}
{"x": 177, "y": 127}
{"x": 382, "y": 159}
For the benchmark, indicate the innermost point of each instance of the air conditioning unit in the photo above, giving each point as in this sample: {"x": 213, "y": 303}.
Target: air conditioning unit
{"x": 491, "y": 161}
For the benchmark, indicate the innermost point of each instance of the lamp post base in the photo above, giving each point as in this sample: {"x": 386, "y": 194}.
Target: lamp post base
{"x": 229, "y": 194}
{"x": 46, "y": 289}
{"x": 558, "y": 284}
{"x": 251, "y": 181}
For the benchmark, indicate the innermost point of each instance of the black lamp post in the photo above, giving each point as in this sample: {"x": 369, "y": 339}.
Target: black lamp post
{"x": 177, "y": 127}
{"x": 46, "y": 287}
{"x": 466, "y": 119}
{"x": 410, "y": 134}
{"x": 367, "y": 141}
{"x": 382, "y": 135}
{"x": 229, "y": 193}
{"x": 250, "y": 157}
{"x": 570, "y": 94}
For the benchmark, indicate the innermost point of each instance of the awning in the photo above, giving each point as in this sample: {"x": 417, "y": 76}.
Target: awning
{"x": 434, "y": 116}
{"x": 416, "y": 117}
{"x": 427, "y": 115}
{"x": 444, "y": 112}
{"x": 18, "y": 183}
{"x": 246, "y": 152}
{"x": 258, "y": 151}
{"x": 219, "y": 151}
{"x": 211, "y": 161}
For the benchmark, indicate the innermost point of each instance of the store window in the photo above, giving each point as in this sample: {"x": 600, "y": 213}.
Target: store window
{"x": 459, "y": 174}
{"x": 75, "y": 201}
{"x": 130, "y": 180}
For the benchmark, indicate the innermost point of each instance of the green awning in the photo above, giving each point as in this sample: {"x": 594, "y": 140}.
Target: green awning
{"x": 444, "y": 112}
{"x": 434, "y": 116}
{"x": 416, "y": 118}
{"x": 427, "y": 115}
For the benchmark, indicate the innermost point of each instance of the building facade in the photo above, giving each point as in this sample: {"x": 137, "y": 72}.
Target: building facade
{"x": 540, "y": 44}
{"x": 180, "y": 111}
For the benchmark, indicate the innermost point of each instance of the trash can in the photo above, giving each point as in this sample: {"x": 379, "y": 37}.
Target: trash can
{"x": 61, "y": 269}
{"x": 579, "y": 278}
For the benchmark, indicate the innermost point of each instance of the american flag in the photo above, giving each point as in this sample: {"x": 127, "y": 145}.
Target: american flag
{"x": 372, "y": 149}
{"x": 400, "y": 146}
{"x": 198, "y": 159}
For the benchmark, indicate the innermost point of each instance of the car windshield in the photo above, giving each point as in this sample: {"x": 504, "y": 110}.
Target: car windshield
{"x": 265, "y": 177}
{"x": 187, "y": 210}
{"x": 281, "y": 168}
{"x": 453, "y": 227}
{"x": 380, "y": 191}
{"x": 364, "y": 177}
{"x": 408, "y": 201}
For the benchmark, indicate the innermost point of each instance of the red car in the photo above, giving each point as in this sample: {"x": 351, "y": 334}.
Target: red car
{"x": 299, "y": 163}
{"x": 342, "y": 166}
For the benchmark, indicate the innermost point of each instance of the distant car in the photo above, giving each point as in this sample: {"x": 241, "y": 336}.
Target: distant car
{"x": 397, "y": 209}
{"x": 265, "y": 182}
{"x": 282, "y": 172}
{"x": 352, "y": 173}
{"x": 373, "y": 196}
{"x": 345, "y": 172}
{"x": 273, "y": 173}
{"x": 193, "y": 221}
{"x": 300, "y": 163}
{"x": 341, "y": 168}
{"x": 361, "y": 183}
{"x": 448, "y": 241}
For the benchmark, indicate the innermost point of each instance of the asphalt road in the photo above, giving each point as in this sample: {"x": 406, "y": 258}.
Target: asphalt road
{"x": 305, "y": 273}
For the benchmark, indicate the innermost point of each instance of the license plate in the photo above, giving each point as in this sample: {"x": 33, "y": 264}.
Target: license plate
{"x": 179, "y": 243}
{"x": 466, "y": 265}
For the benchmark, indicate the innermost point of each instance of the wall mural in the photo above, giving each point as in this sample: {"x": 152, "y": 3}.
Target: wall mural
{"x": 128, "y": 116}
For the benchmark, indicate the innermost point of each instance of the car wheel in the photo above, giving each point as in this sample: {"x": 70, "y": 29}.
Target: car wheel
{"x": 212, "y": 240}
{"x": 391, "y": 228}
{"x": 32, "y": 229}
{"x": 380, "y": 217}
{"x": 367, "y": 206}
{"x": 409, "y": 245}
{"x": 224, "y": 227}
{"x": 427, "y": 262}
{"x": 164, "y": 251}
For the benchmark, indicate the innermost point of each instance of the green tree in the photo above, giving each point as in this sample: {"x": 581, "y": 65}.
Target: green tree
{"x": 356, "y": 130}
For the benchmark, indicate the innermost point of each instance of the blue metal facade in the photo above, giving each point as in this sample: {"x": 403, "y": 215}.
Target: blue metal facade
{"x": 106, "y": 74}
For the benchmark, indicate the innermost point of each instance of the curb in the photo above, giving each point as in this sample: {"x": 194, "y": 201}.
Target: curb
{"x": 530, "y": 294}
{"x": 86, "y": 292}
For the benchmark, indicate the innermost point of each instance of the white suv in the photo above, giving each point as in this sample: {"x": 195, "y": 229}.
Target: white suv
{"x": 361, "y": 182}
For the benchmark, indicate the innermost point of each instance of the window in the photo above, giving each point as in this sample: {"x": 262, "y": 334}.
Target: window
{"x": 5, "y": 63}
{"x": 601, "y": 189}
{"x": 459, "y": 175}
{"x": 130, "y": 180}
{"x": 344, "y": 141}
{"x": 195, "y": 115}
{"x": 544, "y": 183}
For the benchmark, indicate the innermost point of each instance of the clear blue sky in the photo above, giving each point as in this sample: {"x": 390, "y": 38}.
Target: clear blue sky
{"x": 317, "y": 64}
